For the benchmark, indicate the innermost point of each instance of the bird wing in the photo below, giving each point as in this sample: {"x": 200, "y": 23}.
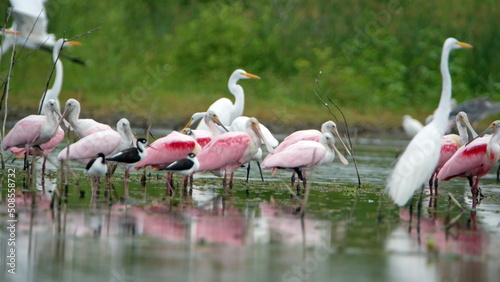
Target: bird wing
{"x": 465, "y": 159}
{"x": 305, "y": 153}
{"x": 297, "y": 136}
{"x": 129, "y": 155}
{"x": 225, "y": 149}
{"x": 27, "y": 130}
{"x": 89, "y": 146}
{"x": 30, "y": 19}
{"x": 168, "y": 149}
{"x": 182, "y": 164}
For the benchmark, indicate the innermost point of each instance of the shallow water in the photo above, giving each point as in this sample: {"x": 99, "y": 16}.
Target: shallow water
{"x": 253, "y": 232}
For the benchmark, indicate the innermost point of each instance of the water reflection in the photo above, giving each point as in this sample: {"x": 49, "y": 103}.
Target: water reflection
{"x": 60, "y": 243}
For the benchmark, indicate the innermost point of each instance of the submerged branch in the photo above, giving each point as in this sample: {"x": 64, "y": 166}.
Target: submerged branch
{"x": 336, "y": 120}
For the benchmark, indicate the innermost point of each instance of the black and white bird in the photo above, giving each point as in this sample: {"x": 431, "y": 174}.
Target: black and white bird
{"x": 130, "y": 156}
{"x": 185, "y": 167}
{"x": 97, "y": 166}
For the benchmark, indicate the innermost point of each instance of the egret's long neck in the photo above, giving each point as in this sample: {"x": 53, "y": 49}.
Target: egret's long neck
{"x": 57, "y": 86}
{"x": 239, "y": 102}
{"x": 444, "y": 108}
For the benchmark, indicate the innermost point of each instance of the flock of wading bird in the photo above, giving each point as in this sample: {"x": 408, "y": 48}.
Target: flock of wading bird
{"x": 224, "y": 140}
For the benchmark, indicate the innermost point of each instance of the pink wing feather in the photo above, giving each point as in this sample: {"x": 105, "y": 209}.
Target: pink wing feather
{"x": 465, "y": 159}
{"x": 89, "y": 146}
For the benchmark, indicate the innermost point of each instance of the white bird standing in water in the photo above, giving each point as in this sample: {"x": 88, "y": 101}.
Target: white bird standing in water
{"x": 420, "y": 158}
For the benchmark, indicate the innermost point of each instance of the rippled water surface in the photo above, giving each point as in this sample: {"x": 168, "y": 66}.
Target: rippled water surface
{"x": 253, "y": 232}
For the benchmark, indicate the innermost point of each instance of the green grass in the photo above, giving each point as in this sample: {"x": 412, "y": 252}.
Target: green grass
{"x": 170, "y": 59}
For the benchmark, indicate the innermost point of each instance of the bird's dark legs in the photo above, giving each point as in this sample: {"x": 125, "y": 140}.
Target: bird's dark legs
{"x": 248, "y": 171}
{"x": 231, "y": 180}
{"x": 419, "y": 208}
{"x": 498, "y": 174}
{"x": 293, "y": 179}
{"x": 260, "y": 171}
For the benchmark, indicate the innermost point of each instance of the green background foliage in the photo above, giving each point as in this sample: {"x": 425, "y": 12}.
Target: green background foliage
{"x": 167, "y": 59}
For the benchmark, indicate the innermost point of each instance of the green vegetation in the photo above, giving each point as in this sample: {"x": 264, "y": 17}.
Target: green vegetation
{"x": 167, "y": 59}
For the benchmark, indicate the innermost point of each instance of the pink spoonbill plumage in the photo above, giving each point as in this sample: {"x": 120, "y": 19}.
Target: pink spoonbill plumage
{"x": 450, "y": 144}
{"x": 108, "y": 142}
{"x": 308, "y": 134}
{"x": 304, "y": 155}
{"x": 474, "y": 160}
{"x": 230, "y": 150}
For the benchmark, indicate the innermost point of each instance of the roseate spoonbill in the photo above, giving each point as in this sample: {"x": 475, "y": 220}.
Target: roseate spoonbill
{"x": 450, "y": 144}
{"x": 224, "y": 108}
{"x": 185, "y": 167}
{"x": 230, "y": 150}
{"x": 33, "y": 130}
{"x": 304, "y": 155}
{"x": 81, "y": 127}
{"x": 53, "y": 93}
{"x": 30, "y": 20}
{"x": 421, "y": 156}
{"x": 411, "y": 126}
{"x": 239, "y": 125}
{"x": 108, "y": 142}
{"x": 130, "y": 156}
{"x": 168, "y": 149}
{"x": 474, "y": 160}
{"x": 309, "y": 134}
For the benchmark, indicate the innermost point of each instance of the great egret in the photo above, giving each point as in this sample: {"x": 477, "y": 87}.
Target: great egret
{"x": 53, "y": 93}
{"x": 224, "y": 108}
{"x": 421, "y": 156}
{"x": 474, "y": 160}
{"x": 30, "y": 19}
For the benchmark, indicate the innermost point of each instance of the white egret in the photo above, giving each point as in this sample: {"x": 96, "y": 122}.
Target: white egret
{"x": 421, "y": 156}
{"x": 224, "y": 108}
